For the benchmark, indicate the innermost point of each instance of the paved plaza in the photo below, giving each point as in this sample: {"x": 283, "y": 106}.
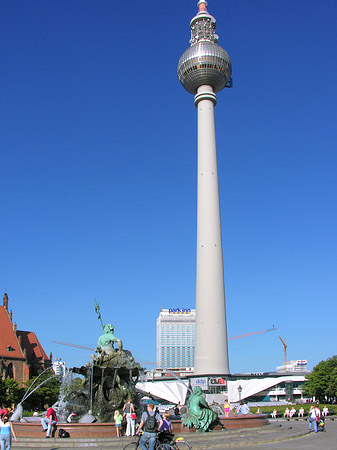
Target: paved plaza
{"x": 279, "y": 435}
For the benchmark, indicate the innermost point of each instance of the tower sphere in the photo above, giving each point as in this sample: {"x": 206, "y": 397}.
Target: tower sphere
{"x": 204, "y": 63}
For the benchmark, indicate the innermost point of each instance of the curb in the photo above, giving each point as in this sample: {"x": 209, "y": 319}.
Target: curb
{"x": 230, "y": 438}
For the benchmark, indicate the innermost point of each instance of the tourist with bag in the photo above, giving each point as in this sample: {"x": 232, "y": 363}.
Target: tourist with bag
{"x": 130, "y": 415}
{"x": 314, "y": 416}
{"x": 150, "y": 422}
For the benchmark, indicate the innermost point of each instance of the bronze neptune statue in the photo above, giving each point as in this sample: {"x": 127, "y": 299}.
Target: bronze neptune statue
{"x": 199, "y": 414}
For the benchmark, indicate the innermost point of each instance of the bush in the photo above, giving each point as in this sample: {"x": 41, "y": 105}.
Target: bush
{"x": 281, "y": 408}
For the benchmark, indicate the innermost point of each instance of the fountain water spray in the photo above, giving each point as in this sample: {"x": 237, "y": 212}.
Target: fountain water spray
{"x": 58, "y": 368}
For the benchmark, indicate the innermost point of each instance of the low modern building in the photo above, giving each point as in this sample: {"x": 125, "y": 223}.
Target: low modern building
{"x": 285, "y": 386}
{"x": 266, "y": 387}
{"x": 21, "y": 354}
{"x": 252, "y": 388}
{"x": 299, "y": 365}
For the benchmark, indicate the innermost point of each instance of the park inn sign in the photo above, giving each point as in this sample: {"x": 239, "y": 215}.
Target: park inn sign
{"x": 179, "y": 311}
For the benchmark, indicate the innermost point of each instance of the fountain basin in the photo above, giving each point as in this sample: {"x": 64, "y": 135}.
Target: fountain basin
{"x": 102, "y": 430}
{"x": 76, "y": 430}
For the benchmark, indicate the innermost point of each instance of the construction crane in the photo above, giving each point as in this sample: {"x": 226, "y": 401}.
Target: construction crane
{"x": 147, "y": 363}
{"x": 74, "y": 345}
{"x": 233, "y": 337}
{"x": 285, "y": 353}
{"x": 251, "y": 334}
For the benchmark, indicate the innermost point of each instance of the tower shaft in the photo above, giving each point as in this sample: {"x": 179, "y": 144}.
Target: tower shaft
{"x": 205, "y": 69}
{"x": 211, "y": 350}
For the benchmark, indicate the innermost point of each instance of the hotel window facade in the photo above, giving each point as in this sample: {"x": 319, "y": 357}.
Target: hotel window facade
{"x": 175, "y": 338}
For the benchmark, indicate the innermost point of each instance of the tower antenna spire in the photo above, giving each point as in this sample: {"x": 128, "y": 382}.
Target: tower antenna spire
{"x": 202, "y": 6}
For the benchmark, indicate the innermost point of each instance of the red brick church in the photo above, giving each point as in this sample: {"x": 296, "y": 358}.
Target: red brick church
{"x": 21, "y": 354}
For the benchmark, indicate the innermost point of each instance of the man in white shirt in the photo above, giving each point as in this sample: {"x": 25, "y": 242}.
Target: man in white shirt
{"x": 245, "y": 409}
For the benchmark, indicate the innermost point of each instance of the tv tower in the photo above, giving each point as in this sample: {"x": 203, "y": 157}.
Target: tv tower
{"x": 205, "y": 69}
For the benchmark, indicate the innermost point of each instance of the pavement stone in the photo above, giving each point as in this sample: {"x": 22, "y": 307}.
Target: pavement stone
{"x": 279, "y": 435}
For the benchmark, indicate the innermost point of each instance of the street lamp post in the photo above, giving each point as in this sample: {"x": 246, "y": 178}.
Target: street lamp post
{"x": 239, "y": 391}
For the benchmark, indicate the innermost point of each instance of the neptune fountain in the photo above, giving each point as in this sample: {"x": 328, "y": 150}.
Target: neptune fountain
{"x": 108, "y": 380}
{"x": 104, "y": 384}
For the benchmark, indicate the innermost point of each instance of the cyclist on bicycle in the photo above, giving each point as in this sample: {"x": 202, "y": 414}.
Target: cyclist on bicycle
{"x": 150, "y": 422}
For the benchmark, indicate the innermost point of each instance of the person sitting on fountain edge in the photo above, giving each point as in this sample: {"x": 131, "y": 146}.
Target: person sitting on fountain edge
{"x": 49, "y": 421}
{"x": 149, "y": 422}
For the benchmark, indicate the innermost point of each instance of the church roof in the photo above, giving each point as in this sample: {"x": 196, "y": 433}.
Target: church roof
{"x": 33, "y": 346}
{"x": 9, "y": 345}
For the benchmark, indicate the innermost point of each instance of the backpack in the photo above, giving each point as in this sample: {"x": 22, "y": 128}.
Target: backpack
{"x": 150, "y": 424}
{"x": 63, "y": 433}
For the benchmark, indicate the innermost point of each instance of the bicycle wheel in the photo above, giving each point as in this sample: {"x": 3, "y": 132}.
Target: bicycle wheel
{"x": 131, "y": 446}
{"x": 164, "y": 446}
{"x": 181, "y": 445}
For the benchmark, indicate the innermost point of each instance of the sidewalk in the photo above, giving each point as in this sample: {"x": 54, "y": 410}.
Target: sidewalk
{"x": 279, "y": 435}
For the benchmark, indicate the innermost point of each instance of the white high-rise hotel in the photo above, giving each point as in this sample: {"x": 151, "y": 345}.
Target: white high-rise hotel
{"x": 175, "y": 338}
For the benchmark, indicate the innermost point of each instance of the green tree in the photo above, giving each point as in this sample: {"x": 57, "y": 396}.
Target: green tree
{"x": 3, "y": 390}
{"x": 332, "y": 386}
{"x": 13, "y": 392}
{"x": 47, "y": 393}
{"x": 75, "y": 385}
{"x": 322, "y": 382}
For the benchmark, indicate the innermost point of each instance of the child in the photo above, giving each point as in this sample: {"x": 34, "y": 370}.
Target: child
{"x": 70, "y": 417}
{"x": 118, "y": 423}
{"x": 6, "y": 433}
{"x": 227, "y": 408}
{"x": 166, "y": 430}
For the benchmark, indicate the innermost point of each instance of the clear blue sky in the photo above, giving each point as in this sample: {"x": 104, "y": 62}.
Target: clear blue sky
{"x": 98, "y": 173}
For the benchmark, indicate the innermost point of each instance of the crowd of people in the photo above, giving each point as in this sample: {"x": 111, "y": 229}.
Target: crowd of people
{"x": 153, "y": 423}
{"x": 126, "y": 419}
{"x": 289, "y": 413}
{"x": 315, "y": 415}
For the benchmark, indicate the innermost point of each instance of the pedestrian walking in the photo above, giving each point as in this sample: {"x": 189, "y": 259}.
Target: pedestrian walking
{"x": 130, "y": 415}
{"x": 314, "y": 416}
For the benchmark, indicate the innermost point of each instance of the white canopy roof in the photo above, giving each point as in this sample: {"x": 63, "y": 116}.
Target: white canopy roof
{"x": 256, "y": 385}
{"x": 172, "y": 391}
{"x": 175, "y": 391}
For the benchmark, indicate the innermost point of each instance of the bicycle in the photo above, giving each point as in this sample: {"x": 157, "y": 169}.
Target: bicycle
{"x": 167, "y": 440}
{"x": 180, "y": 444}
{"x": 158, "y": 445}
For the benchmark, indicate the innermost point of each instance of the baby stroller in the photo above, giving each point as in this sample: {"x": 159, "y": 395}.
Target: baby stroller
{"x": 321, "y": 424}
